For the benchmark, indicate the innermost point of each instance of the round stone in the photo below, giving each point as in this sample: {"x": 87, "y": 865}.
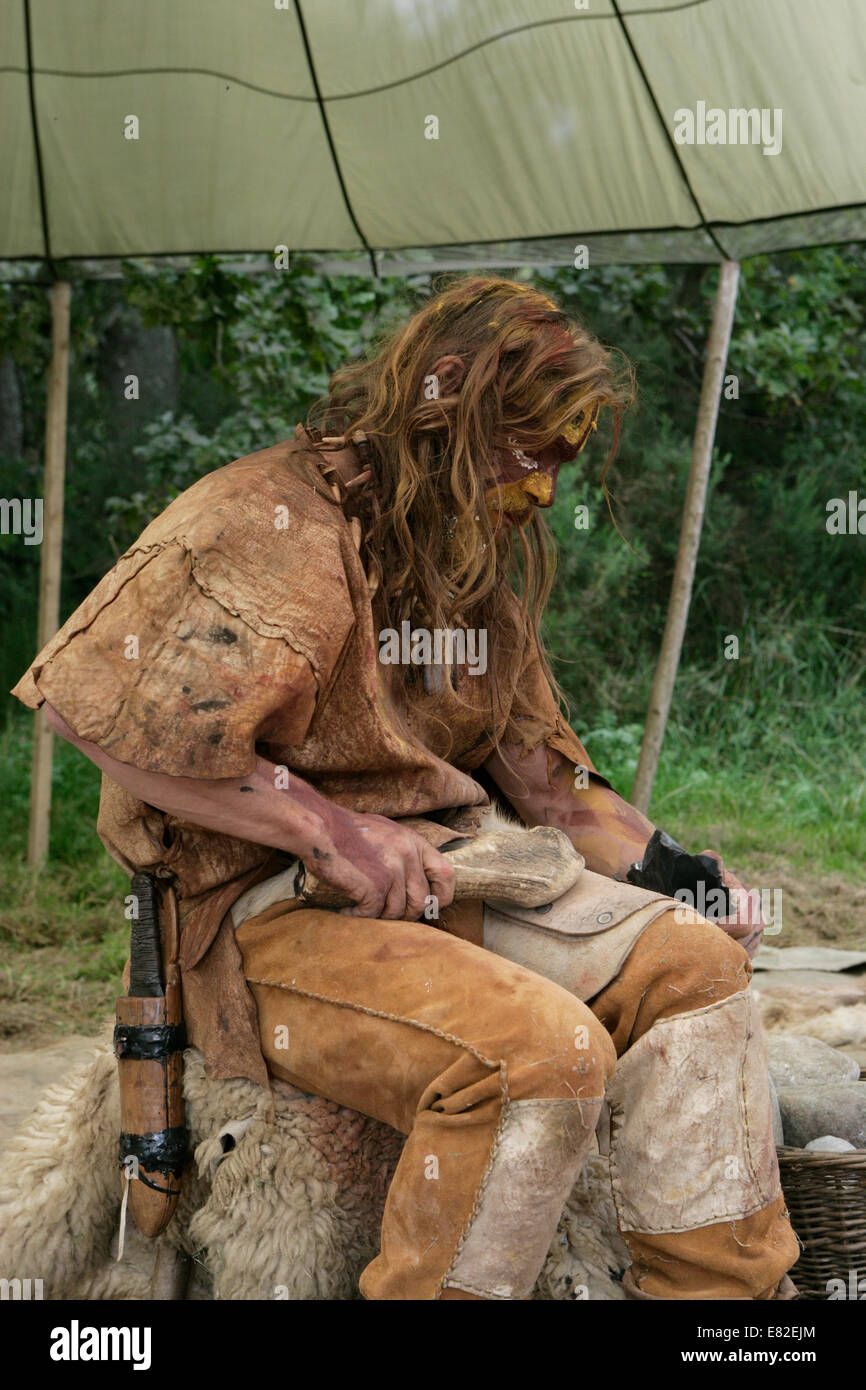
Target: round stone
{"x": 804, "y": 1061}
{"x": 810, "y": 1112}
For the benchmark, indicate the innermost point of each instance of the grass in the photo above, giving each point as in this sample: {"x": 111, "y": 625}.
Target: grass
{"x": 763, "y": 755}
{"x": 63, "y": 934}
{"x": 776, "y": 785}
{"x": 811, "y": 814}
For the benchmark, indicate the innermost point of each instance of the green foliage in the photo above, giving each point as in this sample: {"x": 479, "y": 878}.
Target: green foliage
{"x": 270, "y": 344}
{"x": 255, "y": 351}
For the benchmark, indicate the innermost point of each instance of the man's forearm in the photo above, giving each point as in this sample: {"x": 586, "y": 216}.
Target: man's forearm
{"x": 385, "y": 869}
{"x": 297, "y": 820}
{"x": 608, "y": 832}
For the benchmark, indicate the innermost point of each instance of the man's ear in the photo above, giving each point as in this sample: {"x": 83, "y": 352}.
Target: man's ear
{"x": 449, "y": 371}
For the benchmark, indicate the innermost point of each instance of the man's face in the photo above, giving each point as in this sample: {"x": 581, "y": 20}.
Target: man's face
{"x": 525, "y": 481}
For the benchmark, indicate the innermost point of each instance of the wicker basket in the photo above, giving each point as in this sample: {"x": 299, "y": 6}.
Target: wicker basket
{"x": 826, "y": 1198}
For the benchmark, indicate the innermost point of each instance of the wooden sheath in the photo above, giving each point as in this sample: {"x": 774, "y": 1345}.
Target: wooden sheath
{"x": 149, "y": 1044}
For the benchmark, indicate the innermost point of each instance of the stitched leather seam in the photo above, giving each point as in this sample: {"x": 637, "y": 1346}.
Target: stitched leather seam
{"x": 476, "y": 1205}
{"x": 379, "y": 1013}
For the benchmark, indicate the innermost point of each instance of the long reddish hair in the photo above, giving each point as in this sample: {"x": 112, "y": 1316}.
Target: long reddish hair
{"x": 528, "y": 371}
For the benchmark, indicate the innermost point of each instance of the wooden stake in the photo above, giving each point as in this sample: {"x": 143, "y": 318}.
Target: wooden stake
{"x": 690, "y": 536}
{"x": 52, "y": 550}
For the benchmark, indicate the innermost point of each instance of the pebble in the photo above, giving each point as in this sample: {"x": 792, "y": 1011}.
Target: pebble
{"x": 830, "y": 1144}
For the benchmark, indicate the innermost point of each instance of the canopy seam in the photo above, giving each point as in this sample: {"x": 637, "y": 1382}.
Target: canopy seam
{"x": 330, "y": 139}
{"x": 583, "y": 17}
{"x": 668, "y": 137}
{"x": 37, "y": 146}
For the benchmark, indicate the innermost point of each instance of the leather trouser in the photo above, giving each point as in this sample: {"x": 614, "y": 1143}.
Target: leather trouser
{"x": 691, "y": 1121}
{"x": 496, "y": 1074}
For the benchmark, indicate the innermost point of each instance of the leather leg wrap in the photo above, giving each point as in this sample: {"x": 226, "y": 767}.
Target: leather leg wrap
{"x": 692, "y": 1132}
{"x": 539, "y": 1150}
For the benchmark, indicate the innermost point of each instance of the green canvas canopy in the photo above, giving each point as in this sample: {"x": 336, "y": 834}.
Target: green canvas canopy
{"x": 414, "y": 135}
{"x": 409, "y": 136}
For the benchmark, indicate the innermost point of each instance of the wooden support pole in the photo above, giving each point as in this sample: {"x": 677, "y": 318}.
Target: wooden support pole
{"x": 52, "y": 550}
{"x": 662, "y": 690}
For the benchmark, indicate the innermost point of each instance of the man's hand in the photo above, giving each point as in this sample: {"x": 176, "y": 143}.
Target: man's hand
{"x": 387, "y": 869}
{"x": 746, "y": 923}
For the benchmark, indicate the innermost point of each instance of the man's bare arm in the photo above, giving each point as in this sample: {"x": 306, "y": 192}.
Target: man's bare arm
{"x": 385, "y": 868}
{"x": 608, "y": 832}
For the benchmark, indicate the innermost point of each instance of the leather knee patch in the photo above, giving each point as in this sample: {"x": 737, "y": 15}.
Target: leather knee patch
{"x": 692, "y": 1132}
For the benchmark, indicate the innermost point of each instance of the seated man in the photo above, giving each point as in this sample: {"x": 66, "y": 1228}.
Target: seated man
{"x": 308, "y": 654}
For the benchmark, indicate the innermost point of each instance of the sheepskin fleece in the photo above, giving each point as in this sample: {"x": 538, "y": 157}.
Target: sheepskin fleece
{"x": 284, "y": 1210}
{"x": 845, "y": 1024}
